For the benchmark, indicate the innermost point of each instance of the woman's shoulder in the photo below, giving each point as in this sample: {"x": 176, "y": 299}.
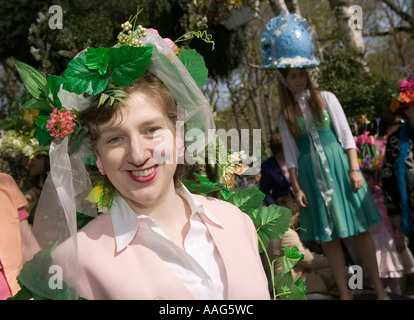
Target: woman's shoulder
{"x": 213, "y": 203}
{"x": 99, "y": 226}
{"x": 219, "y": 208}
{"x": 327, "y": 95}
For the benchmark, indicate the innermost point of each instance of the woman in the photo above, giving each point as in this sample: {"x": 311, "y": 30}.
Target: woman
{"x": 320, "y": 155}
{"x": 165, "y": 242}
{"x": 154, "y": 240}
{"x": 397, "y": 170}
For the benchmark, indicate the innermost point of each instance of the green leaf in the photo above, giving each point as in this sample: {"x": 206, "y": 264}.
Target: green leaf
{"x": 97, "y": 59}
{"x": 34, "y": 81}
{"x": 287, "y": 290}
{"x": 54, "y": 86}
{"x": 42, "y": 134}
{"x": 82, "y": 220}
{"x": 271, "y": 222}
{"x": 199, "y": 188}
{"x": 90, "y": 160}
{"x": 78, "y": 78}
{"x": 127, "y": 63}
{"x": 195, "y": 65}
{"x": 247, "y": 200}
{"x": 42, "y": 105}
{"x": 35, "y": 273}
{"x": 291, "y": 258}
{"x": 76, "y": 139}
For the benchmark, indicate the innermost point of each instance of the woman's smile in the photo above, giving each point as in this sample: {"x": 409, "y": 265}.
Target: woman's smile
{"x": 144, "y": 175}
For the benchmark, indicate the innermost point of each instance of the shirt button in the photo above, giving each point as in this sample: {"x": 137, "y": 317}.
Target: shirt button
{"x": 203, "y": 282}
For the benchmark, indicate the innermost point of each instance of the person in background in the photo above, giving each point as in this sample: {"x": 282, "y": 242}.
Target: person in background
{"x": 313, "y": 268}
{"x": 320, "y": 153}
{"x": 16, "y": 240}
{"x": 398, "y": 164}
{"x": 274, "y": 176}
{"x": 389, "y": 123}
{"x": 393, "y": 260}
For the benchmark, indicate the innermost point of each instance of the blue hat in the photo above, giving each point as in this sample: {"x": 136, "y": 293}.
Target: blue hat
{"x": 288, "y": 42}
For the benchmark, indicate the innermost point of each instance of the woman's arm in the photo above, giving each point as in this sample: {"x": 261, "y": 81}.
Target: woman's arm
{"x": 355, "y": 174}
{"x": 299, "y": 194}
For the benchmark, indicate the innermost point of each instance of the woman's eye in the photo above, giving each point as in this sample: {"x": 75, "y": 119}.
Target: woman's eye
{"x": 152, "y": 130}
{"x": 113, "y": 140}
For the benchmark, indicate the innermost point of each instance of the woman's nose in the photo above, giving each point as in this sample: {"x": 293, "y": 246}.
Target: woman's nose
{"x": 139, "y": 151}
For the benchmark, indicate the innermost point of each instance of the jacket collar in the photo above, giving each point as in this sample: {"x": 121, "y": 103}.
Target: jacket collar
{"x": 126, "y": 222}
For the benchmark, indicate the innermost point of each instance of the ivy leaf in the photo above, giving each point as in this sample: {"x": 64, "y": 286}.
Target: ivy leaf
{"x": 127, "y": 63}
{"x": 271, "y": 222}
{"x": 33, "y": 272}
{"x": 291, "y": 258}
{"x": 78, "y": 78}
{"x": 287, "y": 289}
{"x": 199, "y": 188}
{"x": 247, "y": 200}
{"x": 97, "y": 59}
{"x": 34, "y": 81}
{"x": 195, "y": 65}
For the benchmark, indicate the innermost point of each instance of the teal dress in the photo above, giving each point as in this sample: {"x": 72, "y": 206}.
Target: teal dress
{"x": 350, "y": 212}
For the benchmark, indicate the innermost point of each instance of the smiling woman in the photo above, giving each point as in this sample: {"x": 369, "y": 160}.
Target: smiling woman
{"x": 154, "y": 239}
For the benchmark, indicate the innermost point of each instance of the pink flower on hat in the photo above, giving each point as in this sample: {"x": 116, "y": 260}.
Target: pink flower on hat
{"x": 60, "y": 123}
{"x": 167, "y": 40}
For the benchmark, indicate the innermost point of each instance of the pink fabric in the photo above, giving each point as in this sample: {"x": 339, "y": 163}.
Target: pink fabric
{"x": 4, "y": 286}
{"x": 137, "y": 272}
{"x": 391, "y": 263}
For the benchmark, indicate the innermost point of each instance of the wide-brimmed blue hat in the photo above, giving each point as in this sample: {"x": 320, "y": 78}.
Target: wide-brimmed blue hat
{"x": 288, "y": 42}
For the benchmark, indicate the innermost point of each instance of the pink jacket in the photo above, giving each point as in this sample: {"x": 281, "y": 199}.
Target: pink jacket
{"x": 11, "y": 199}
{"x": 138, "y": 273}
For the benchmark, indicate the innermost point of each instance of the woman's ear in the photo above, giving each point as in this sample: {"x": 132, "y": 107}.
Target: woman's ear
{"x": 99, "y": 164}
{"x": 179, "y": 145}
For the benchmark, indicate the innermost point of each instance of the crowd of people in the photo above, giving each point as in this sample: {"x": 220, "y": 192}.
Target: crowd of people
{"x": 153, "y": 232}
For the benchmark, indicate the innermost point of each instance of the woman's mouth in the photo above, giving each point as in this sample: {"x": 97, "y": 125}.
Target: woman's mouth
{"x": 143, "y": 176}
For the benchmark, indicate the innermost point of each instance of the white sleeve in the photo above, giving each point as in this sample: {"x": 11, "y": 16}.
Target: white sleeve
{"x": 290, "y": 149}
{"x": 340, "y": 122}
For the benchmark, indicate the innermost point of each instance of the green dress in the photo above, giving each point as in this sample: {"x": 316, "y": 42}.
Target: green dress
{"x": 350, "y": 212}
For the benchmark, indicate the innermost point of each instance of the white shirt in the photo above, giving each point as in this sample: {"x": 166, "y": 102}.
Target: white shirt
{"x": 199, "y": 266}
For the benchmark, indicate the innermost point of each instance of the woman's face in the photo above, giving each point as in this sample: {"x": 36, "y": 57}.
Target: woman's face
{"x": 138, "y": 152}
{"x": 297, "y": 80}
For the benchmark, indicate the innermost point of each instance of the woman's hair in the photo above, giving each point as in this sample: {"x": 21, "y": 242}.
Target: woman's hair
{"x": 388, "y": 119}
{"x": 154, "y": 89}
{"x": 287, "y": 101}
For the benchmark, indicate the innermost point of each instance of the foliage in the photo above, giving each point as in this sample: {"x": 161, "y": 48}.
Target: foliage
{"x": 360, "y": 92}
{"x": 270, "y": 222}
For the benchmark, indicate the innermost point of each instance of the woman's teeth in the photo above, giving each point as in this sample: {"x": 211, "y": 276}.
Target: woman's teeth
{"x": 143, "y": 173}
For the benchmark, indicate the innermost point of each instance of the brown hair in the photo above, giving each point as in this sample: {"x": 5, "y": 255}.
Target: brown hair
{"x": 276, "y": 143}
{"x": 287, "y": 101}
{"x": 288, "y": 202}
{"x": 147, "y": 84}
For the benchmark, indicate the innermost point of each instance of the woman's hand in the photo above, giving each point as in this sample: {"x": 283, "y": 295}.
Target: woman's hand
{"x": 301, "y": 198}
{"x": 357, "y": 181}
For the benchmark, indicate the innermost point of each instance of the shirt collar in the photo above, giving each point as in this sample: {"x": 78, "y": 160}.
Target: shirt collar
{"x": 126, "y": 222}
